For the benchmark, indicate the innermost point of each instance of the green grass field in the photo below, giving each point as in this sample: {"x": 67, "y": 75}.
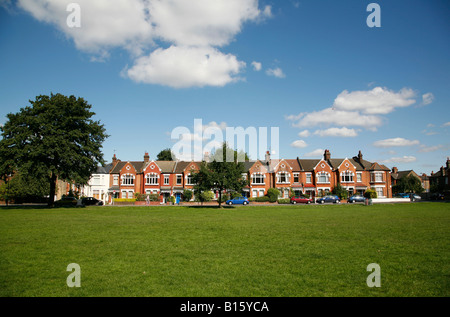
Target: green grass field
{"x": 279, "y": 251}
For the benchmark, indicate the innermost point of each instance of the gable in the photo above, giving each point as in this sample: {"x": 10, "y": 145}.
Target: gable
{"x": 128, "y": 168}
{"x": 346, "y": 165}
{"x": 152, "y": 167}
{"x": 322, "y": 165}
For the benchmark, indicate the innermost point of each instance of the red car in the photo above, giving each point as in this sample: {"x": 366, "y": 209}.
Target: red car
{"x": 303, "y": 200}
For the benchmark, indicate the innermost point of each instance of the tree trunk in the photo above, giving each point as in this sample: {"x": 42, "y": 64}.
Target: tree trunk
{"x": 220, "y": 198}
{"x": 51, "y": 198}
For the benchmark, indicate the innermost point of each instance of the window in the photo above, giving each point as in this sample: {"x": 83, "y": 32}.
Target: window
{"x": 347, "y": 177}
{"x": 254, "y": 193}
{"x": 296, "y": 178}
{"x": 128, "y": 179}
{"x": 179, "y": 179}
{"x": 116, "y": 180}
{"x": 283, "y": 177}
{"x": 166, "y": 179}
{"x": 151, "y": 179}
{"x": 130, "y": 195}
{"x": 359, "y": 177}
{"x": 189, "y": 180}
{"x": 96, "y": 180}
{"x": 258, "y": 178}
{"x": 308, "y": 178}
{"x": 323, "y": 177}
{"x": 379, "y": 191}
{"x": 96, "y": 194}
{"x": 261, "y": 192}
{"x": 244, "y": 176}
{"x": 376, "y": 177}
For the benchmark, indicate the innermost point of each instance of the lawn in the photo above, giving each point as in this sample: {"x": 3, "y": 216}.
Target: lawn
{"x": 248, "y": 251}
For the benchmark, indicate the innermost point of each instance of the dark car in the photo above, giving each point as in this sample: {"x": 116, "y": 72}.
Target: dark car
{"x": 238, "y": 201}
{"x": 66, "y": 202}
{"x": 328, "y": 199}
{"x": 402, "y": 195}
{"x": 91, "y": 201}
{"x": 437, "y": 196}
{"x": 356, "y": 199}
{"x": 302, "y": 200}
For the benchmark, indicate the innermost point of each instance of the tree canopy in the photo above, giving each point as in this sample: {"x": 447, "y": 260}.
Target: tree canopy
{"x": 408, "y": 184}
{"x": 56, "y": 137}
{"x": 166, "y": 155}
{"x": 219, "y": 174}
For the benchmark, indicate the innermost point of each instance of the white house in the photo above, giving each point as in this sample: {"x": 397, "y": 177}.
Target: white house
{"x": 98, "y": 185}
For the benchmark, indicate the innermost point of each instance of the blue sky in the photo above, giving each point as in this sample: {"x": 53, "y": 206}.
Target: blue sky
{"x": 325, "y": 78}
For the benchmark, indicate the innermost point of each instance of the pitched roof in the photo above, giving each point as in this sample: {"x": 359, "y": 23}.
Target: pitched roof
{"x": 166, "y": 166}
{"x": 138, "y": 165}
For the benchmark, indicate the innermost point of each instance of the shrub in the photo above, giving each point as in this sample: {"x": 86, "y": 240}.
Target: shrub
{"x": 340, "y": 191}
{"x": 143, "y": 197}
{"x": 124, "y": 200}
{"x": 187, "y": 195}
{"x": 259, "y": 199}
{"x": 272, "y": 194}
{"x": 284, "y": 201}
{"x": 370, "y": 193}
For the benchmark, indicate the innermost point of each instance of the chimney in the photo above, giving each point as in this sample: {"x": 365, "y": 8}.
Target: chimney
{"x": 360, "y": 156}
{"x": 448, "y": 163}
{"x": 267, "y": 157}
{"x": 327, "y": 155}
{"x": 146, "y": 157}
{"x": 395, "y": 170}
{"x": 114, "y": 159}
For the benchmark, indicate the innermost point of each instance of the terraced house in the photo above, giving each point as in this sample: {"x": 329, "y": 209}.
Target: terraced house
{"x": 314, "y": 177}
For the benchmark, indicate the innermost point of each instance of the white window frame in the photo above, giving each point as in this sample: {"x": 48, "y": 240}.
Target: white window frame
{"x": 320, "y": 174}
{"x": 189, "y": 180}
{"x": 308, "y": 178}
{"x": 151, "y": 179}
{"x": 128, "y": 179}
{"x": 115, "y": 179}
{"x": 179, "y": 180}
{"x": 259, "y": 176}
{"x": 166, "y": 179}
{"x": 358, "y": 177}
{"x": 347, "y": 177}
{"x": 296, "y": 175}
{"x": 285, "y": 175}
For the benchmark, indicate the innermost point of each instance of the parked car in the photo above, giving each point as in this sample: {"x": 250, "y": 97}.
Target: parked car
{"x": 402, "y": 195}
{"x": 238, "y": 201}
{"x": 437, "y": 196}
{"x": 356, "y": 199}
{"x": 301, "y": 199}
{"x": 328, "y": 199}
{"x": 66, "y": 202}
{"x": 91, "y": 201}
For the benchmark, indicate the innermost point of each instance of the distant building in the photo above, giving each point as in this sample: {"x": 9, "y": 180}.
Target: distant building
{"x": 441, "y": 179}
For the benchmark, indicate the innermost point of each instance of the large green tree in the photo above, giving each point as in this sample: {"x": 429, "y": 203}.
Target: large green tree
{"x": 220, "y": 174}
{"x": 57, "y": 137}
{"x": 408, "y": 184}
{"x": 166, "y": 155}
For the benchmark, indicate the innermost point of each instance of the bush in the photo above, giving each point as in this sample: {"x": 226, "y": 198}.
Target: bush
{"x": 284, "y": 201}
{"x": 370, "y": 193}
{"x": 124, "y": 200}
{"x": 259, "y": 199}
{"x": 187, "y": 195}
{"x": 143, "y": 197}
{"x": 272, "y": 194}
{"x": 340, "y": 191}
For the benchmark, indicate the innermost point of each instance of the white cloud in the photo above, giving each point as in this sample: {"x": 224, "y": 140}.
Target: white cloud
{"x": 299, "y": 144}
{"x": 447, "y": 124}
{"x": 196, "y": 28}
{"x": 315, "y": 153}
{"x": 257, "y": 66}
{"x": 402, "y": 159}
{"x": 426, "y": 149}
{"x": 304, "y": 134}
{"x": 182, "y": 67}
{"x": 276, "y": 72}
{"x": 336, "y": 132}
{"x": 427, "y": 98}
{"x": 330, "y": 116}
{"x": 376, "y": 101}
{"x": 395, "y": 142}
